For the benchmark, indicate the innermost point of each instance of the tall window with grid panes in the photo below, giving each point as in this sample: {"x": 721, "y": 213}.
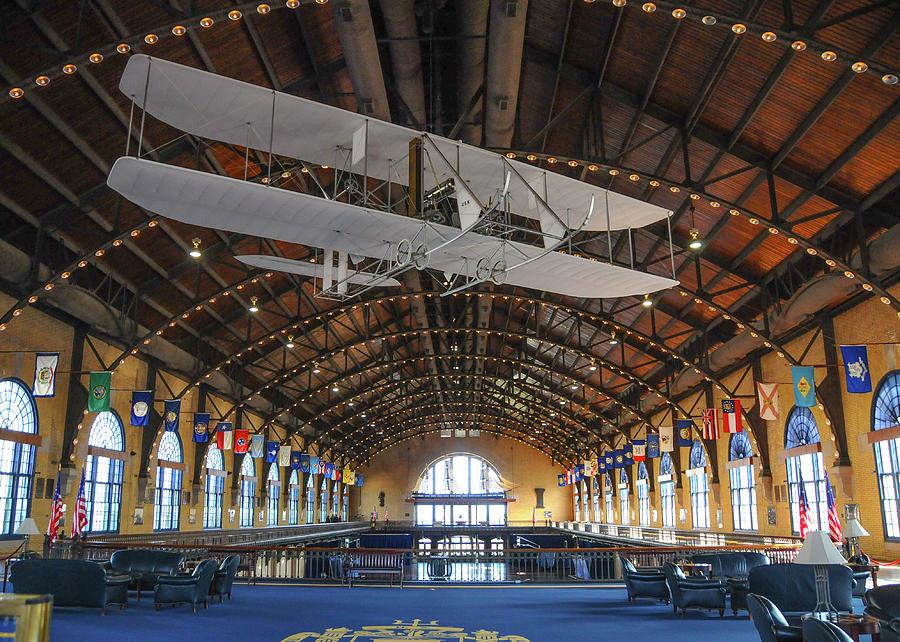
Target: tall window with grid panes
{"x": 169, "y": 459}
{"x": 699, "y": 483}
{"x": 886, "y": 414}
{"x": 103, "y": 473}
{"x": 624, "y": 505}
{"x": 18, "y": 413}
{"x": 642, "y": 487}
{"x": 801, "y": 429}
{"x": 273, "y": 482}
{"x": 610, "y": 509}
{"x": 248, "y": 491}
{"x": 294, "y": 500}
{"x": 667, "y": 491}
{"x": 215, "y": 488}
{"x": 743, "y": 487}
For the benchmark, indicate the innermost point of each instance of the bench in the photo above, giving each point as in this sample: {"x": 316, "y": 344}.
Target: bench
{"x": 371, "y": 563}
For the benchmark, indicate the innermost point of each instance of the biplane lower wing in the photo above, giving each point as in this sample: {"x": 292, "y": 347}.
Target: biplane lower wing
{"x": 315, "y": 270}
{"x": 219, "y": 202}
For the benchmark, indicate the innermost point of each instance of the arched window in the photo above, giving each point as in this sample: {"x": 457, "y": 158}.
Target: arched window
{"x": 624, "y": 506}
{"x": 608, "y": 496}
{"x": 18, "y": 413}
{"x": 310, "y": 498}
{"x": 643, "y": 494}
{"x": 585, "y": 502}
{"x": 667, "y": 491}
{"x": 248, "y": 490}
{"x": 801, "y": 429}
{"x": 699, "y": 486}
{"x": 886, "y": 414}
{"x": 743, "y": 484}
{"x": 103, "y": 474}
{"x": 323, "y": 501}
{"x": 294, "y": 504}
{"x": 345, "y": 505}
{"x": 274, "y": 490}
{"x": 471, "y": 481}
{"x": 169, "y": 458}
{"x": 335, "y": 499}
{"x": 596, "y": 498}
{"x": 215, "y": 488}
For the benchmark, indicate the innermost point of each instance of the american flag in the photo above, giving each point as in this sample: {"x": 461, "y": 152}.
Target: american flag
{"x": 711, "y": 422}
{"x": 834, "y": 523}
{"x": 79, "y": 519}
{"x": 804, "y": 510}
{"x": 56, "y": 514}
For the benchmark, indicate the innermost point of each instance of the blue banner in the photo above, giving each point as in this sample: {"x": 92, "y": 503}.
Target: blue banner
{"x": 652, "y": 446}
{"x": 619, "y": 458}
{"x": 628, "y": 454}
{"x": 201, "y": 427}
{"x": 685, "y": 428}
{"x": 173, "y": 409}
{"x": 561, "y": 479}
{"x": 329, "y": 470}
{"x": 271, "y": 452}
{"x": 141, "y": 403}
{"x": 804, "y": 379}
{"x": 314, "y": 465}
{"x": 579, "y": 472}
{"x": 302, "y": 462}
{"x": 610, "y": 460}
{"x": 856, "y": 368}
{"x": 359, "y": 479}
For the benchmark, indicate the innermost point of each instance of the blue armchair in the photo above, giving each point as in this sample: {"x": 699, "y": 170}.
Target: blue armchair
{"x": 769, "y": 621}
{"x": 883, "y": 603}
{"x": 818, "y": 631}
{"x": 224, "y": 576}
{"x": 643, "y": 582}
{"x": 694, "y": 593}
{"x": 186, "y": 589}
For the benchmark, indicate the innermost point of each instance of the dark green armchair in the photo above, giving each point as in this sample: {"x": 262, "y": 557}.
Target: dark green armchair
{"x": 224, "y": 577}
{"x": 190, "y": 589}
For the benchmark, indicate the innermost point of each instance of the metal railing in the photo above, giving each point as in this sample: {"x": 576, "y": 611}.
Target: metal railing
{"x": 641, "y": 535}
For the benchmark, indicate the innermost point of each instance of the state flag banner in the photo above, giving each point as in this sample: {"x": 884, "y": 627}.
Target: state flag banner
{"x": 731, "y": 416}
{"x": 302, "y": 461}
{"x": 628, "y": 455}
{"x": 223, "y": 435}
{"x": 201, "y": 427}
{"x": 619, "y": 457}
{"x": 610, "y": 460}
{"x": 284, "y": 456}
{"x": 257, "y": 446}
{"x": 359, "y": 479}
{"x": 45, "y": 364}
{"x": 712, "y": 421}
{"x": 329, "y": 470}
{"x": 98, "y": 391}
{"x": 640, "y": 449}
{"x": 141, "y": 401}
{"x": 338, "y": 474}
{"x": 313, "y": 465}
{"x": 241, "y": 441}
{"x": 685, "y": 432}
{"x": 561, "y": 479}
{"x": 590, "y": 467}
{"x": 804, "y": 380}
{"x": 767, "y": 394}
{"x": 322, "y": 467}
{"x": 171, "y": 413}
{"x": 652, "y": 446}
{"x": 666, "y": 439}
{"x": 272, "y": 452}
{"x": 856, "y": 369}
{"x": 349, "y": 477}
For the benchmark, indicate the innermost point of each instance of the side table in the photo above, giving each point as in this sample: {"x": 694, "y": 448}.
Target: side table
{"x": 856, "y": 625}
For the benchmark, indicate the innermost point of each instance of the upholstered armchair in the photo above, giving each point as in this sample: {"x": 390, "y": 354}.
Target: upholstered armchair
{"x": 643, "y": 582}
{"x": 883, "y": 602}
{"x": 819, "y": 631}
{"x": 186, "y": 589}
{"x": 144, "y": 566}
{"x": 224, "y": 576}
{"x": 693, "y": 593}
{"x": 769, "y": 622}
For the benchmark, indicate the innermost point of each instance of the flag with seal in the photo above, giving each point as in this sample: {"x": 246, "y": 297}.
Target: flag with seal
{"x": 98, "y": 395}
{"x": 45, "y": 364}
{"x": 171, "y": 413}
{"x": 141, "y": 401}
{"x": 201, "y": 427}
{"x": 856, "y": 368}
{"x": 685, "y": 430}
{"x": 271, "y": 452}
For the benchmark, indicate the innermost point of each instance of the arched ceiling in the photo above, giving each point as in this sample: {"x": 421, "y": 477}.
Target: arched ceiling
{"x": 734, "y": 116}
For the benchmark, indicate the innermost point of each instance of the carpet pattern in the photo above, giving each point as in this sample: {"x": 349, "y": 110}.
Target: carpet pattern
{"x": 374, "y": 613}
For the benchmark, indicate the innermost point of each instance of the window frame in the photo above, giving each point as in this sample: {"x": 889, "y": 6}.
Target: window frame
{"x": 169, "y": 481}
{"x": 815, "y": 487}
{"x": 887, "y": 392}
{"x": 248, "y": 493}
{"x": 114, "y": 475}
{"x": 273, "y": 495}
{"x": 21, "y": 460}
{"x": 213, "y": 500}
{"x": 742, "y": 486}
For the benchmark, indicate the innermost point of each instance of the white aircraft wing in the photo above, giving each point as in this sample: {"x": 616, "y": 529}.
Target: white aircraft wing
{"x": 210, "y": 200}
{"x": 228, "y": 110}
{"x": 315, "y": 270}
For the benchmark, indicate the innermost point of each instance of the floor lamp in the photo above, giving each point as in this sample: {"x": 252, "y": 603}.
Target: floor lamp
{"x": 27, "y": 528}
{"x": 819, "y": 551}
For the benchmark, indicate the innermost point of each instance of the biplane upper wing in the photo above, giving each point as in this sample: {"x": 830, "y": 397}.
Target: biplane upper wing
{"x": 214, "y": 201}
{"x": 213, "y": 106}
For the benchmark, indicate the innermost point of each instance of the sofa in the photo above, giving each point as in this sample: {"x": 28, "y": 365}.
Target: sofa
{"x": 692, "y": 592}
{"x": 883, "y": 602}
{"x": 640, "y": 582}
{"x": 144, "y": 565}
{"x": 71, "y": 582}
{"x": 792, "y": 587}
{"x": 730, "y": 563}
{"x": 190, "y": 589}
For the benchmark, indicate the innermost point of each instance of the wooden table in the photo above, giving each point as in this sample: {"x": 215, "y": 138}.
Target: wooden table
{"x": 856, "y": 625}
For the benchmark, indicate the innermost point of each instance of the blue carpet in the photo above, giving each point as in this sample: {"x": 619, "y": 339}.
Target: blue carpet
{"x": 537, "y": 614}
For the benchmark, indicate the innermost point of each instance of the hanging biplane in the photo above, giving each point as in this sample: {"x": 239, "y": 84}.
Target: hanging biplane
{"x": 366, "y": 235}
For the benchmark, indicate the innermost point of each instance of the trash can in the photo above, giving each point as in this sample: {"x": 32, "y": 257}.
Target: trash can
{"x": 26, "y": 616}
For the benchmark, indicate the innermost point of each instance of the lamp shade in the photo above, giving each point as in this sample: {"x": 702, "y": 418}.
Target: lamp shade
{"x": 854, "y": 529}
{"x": 29, "y": 527}
{"x": 818, "y": 549}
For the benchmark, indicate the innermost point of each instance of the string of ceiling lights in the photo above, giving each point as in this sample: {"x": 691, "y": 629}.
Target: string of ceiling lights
{"x": 827, "y": 53}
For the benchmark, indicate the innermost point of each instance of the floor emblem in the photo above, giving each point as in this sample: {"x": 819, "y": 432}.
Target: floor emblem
{"x": 400, "y": 630}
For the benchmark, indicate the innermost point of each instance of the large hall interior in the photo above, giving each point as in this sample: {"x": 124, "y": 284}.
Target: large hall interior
{"x": 454, "y": 320}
